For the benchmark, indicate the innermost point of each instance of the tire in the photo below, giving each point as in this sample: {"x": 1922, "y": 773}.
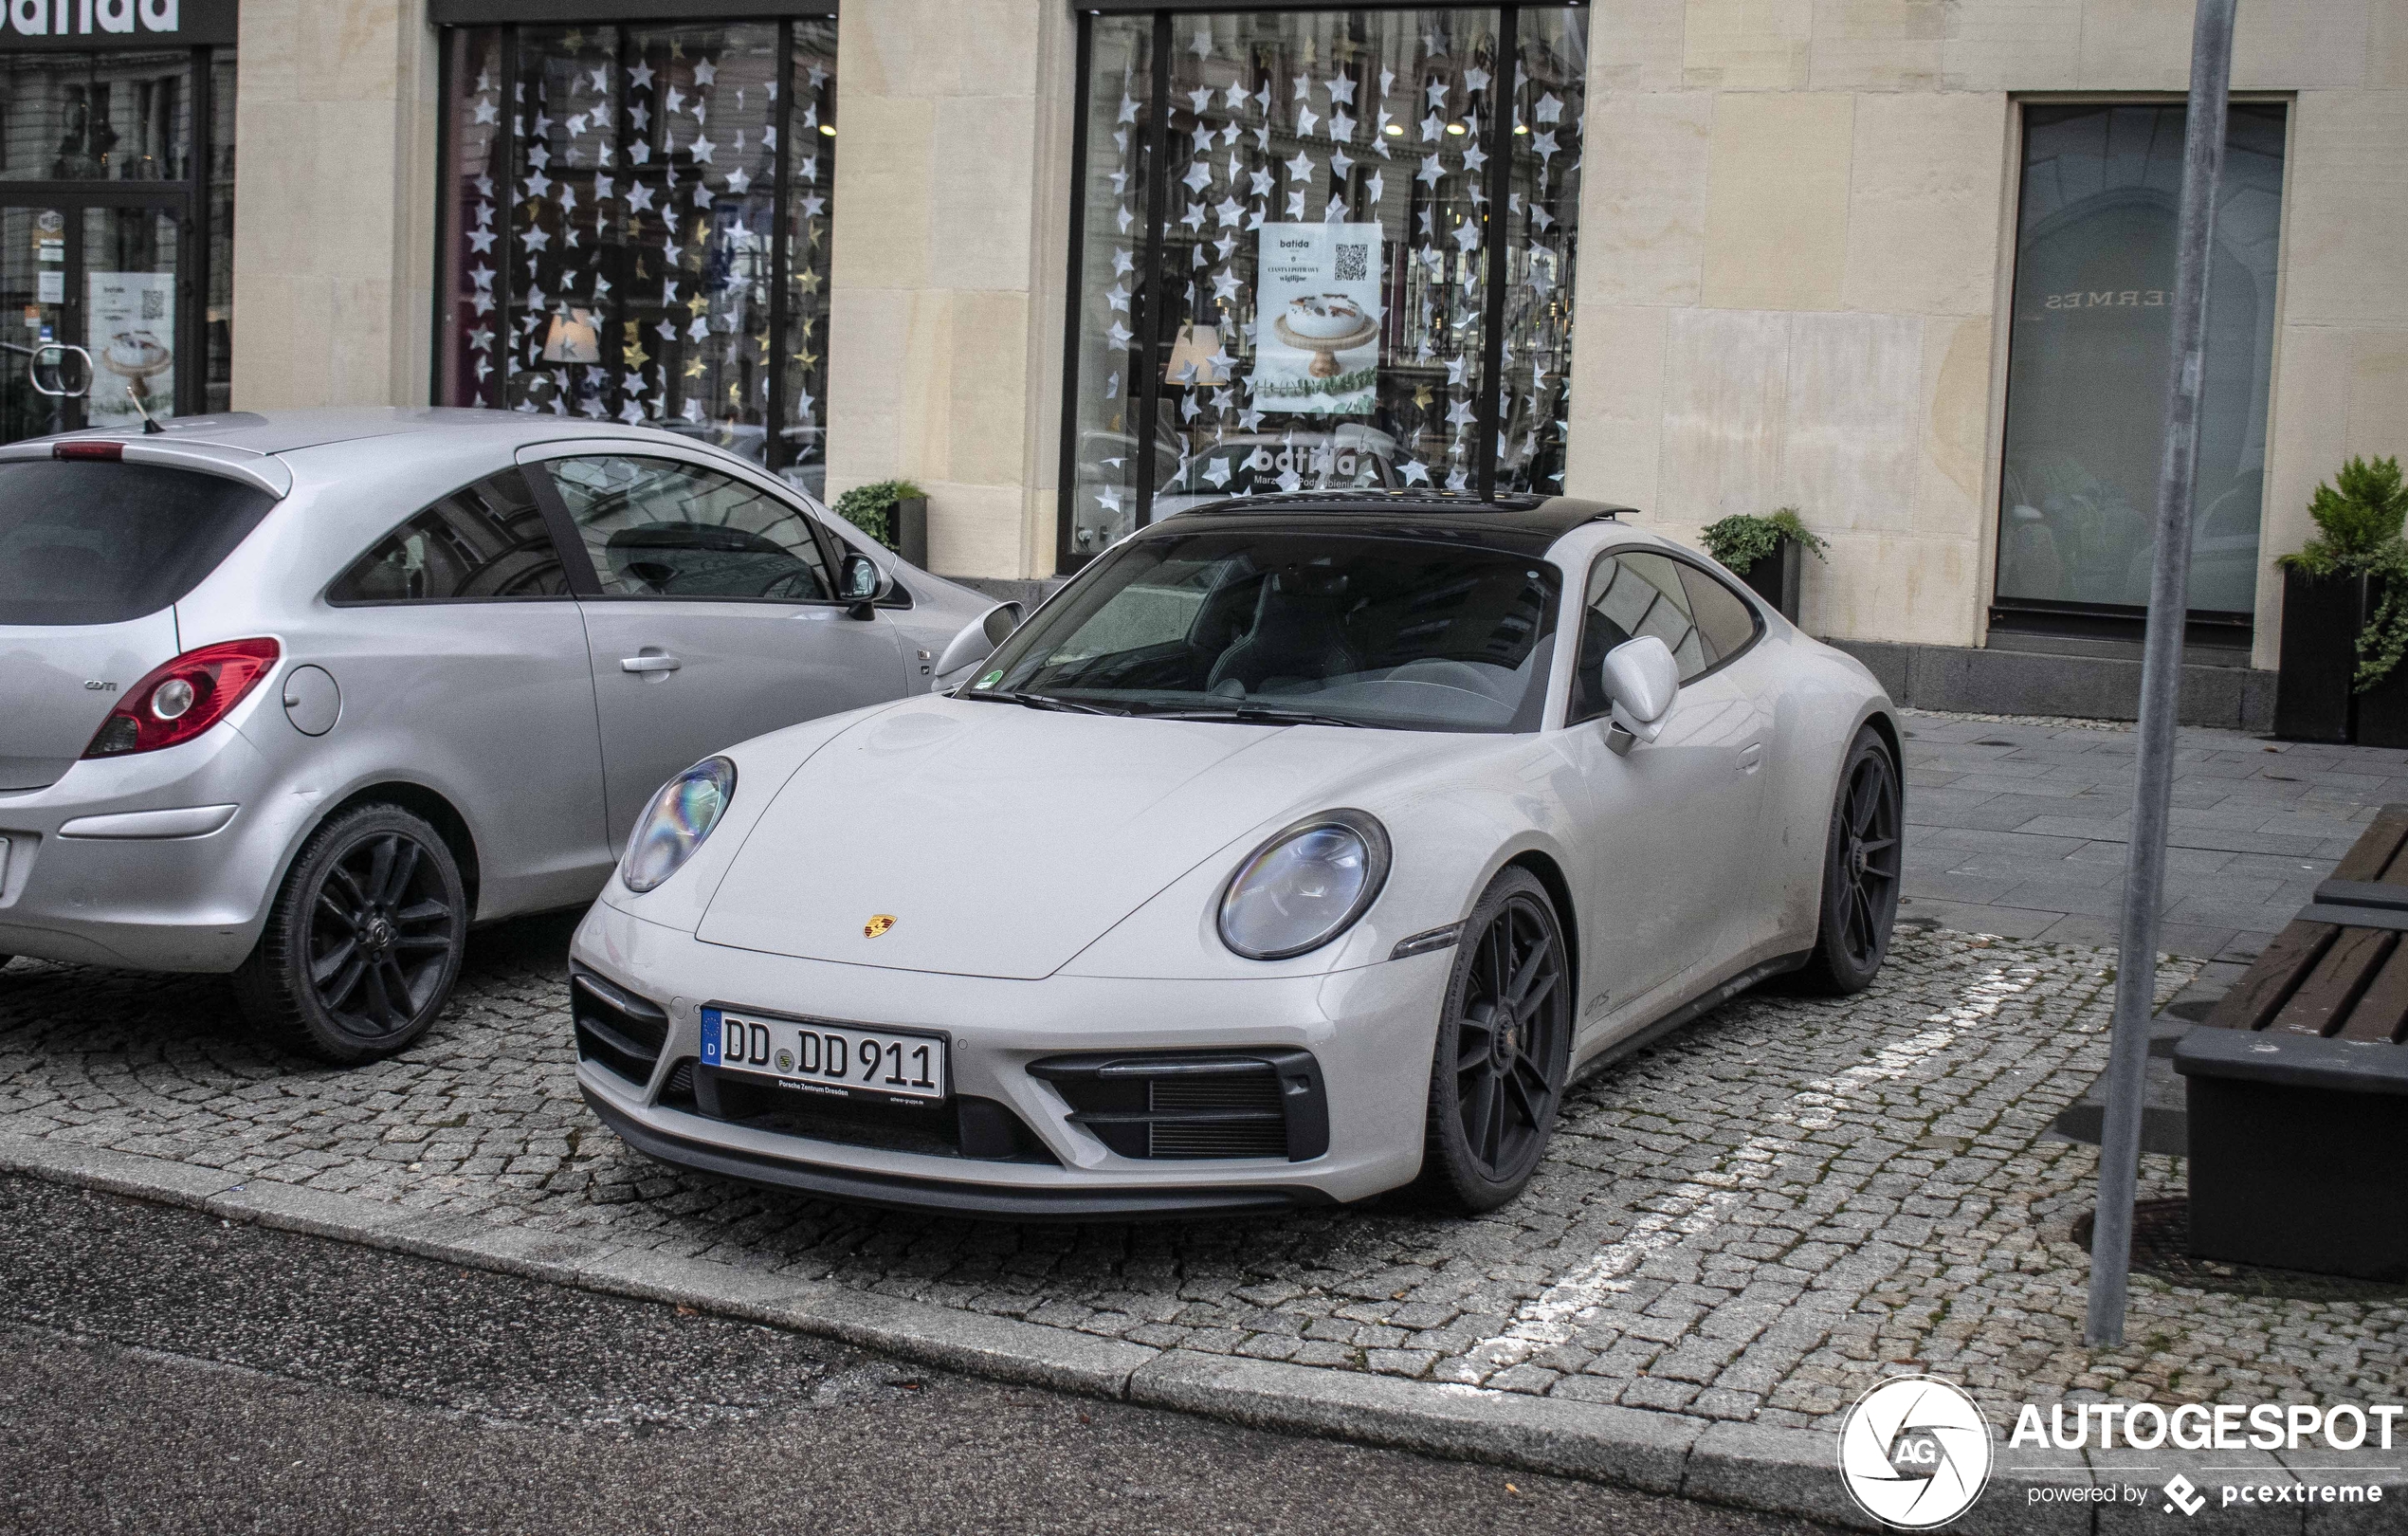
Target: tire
{"x": 1494, "y": 1092}
{"x": 1861, "y": 872}
{"x": 364, "y": 942}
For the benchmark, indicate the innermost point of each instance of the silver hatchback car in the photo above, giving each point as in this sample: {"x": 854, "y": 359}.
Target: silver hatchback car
{"x": 303, "y": 696}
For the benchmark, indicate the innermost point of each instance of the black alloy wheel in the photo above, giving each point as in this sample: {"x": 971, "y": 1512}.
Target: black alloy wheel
{"x": 1505, "y": 1042}
{"x": 1861, "y": 870}
{"x": 365, "y": 941}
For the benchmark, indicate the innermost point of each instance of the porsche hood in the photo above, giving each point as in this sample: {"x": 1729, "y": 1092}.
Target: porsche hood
{"x": 987, "y": 839}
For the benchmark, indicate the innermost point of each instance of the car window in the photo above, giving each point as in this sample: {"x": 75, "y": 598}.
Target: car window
{"x": 483, "y": 541}
{"x": 1632, "y": 594}
{"x": 98, "y": 541}
{"x": 1723, "y": 616}
{"x": 661, "y": 528}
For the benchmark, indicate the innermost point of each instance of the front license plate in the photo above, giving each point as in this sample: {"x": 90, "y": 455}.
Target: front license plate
{"x": 828, "y": 1058}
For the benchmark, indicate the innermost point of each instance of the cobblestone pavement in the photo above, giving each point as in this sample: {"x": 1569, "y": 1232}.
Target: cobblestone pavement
{"x": 2020, "y": 826}
{"x": 1749, "y": 1221}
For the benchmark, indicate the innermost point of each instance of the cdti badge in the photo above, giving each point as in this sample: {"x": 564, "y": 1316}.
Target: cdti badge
{"x": 1914, "y": 1453}
{"x": 878, "y": 923}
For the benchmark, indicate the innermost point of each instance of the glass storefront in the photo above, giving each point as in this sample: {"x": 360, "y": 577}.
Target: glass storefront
{"x": 1319, "y": 248}
{"x": 637, "y": 228}
{"x": 117, "y": 200}
{"x": 2087, "y": 369}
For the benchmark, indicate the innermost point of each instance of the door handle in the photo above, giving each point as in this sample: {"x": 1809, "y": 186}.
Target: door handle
{"x": 651, "y": 661}
{"x": 1751, "y": 757}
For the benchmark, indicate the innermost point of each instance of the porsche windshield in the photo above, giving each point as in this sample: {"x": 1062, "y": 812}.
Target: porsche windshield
{"x": 1307, "y": 627}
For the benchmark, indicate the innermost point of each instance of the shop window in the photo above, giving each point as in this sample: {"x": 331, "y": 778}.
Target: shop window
{"x": 637, "y": 229}
{"x": 2086, "y": 366}
{"x": 1319, "y": 250}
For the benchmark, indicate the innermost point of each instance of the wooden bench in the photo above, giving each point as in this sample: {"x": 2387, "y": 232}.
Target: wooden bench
{"x": 2296, "y": 1084}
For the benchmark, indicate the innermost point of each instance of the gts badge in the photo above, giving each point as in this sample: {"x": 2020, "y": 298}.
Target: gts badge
{"x": 96, "y": 685}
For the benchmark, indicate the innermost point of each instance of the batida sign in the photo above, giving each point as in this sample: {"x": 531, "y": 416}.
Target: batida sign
{"x": 111, "y": 24}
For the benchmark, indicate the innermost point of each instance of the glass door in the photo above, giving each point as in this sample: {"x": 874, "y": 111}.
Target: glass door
{"x": 89, "y": 315}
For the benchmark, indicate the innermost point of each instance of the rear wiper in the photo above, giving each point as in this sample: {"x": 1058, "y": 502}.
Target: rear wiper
{"x": 1046, "y": 701}
{"x": 1250, "y": 715}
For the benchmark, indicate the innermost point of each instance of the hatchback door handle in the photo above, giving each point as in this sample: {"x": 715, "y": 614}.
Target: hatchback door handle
{"x": 651, "y": 661}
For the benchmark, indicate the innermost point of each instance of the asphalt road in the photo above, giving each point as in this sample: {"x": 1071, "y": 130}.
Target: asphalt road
{"x": 163, "y": 1371}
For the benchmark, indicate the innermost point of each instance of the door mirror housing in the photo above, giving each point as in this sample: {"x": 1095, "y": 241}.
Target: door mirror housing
{"x": 860, "y": 583}
{"x": 976, "y": 641}
{"x": 1642, "y": 678}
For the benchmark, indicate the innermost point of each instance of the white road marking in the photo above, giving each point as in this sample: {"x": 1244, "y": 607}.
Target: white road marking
{"x": 1696, "y": 1204}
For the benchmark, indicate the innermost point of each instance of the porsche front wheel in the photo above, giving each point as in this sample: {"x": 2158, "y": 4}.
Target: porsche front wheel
{"x": 1861, "y": 871}
{"x": 1505, "y": 1042}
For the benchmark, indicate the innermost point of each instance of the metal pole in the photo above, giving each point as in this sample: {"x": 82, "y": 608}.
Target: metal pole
{"x": 2161, "y": 678}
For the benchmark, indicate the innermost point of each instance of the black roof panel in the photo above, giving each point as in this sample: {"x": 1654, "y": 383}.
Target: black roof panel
{"x": 1526, "y": 523}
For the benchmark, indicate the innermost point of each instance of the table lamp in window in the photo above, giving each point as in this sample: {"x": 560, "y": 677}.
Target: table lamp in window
{"x": 571, "y": 337}
{"x": 1196, "y": 358}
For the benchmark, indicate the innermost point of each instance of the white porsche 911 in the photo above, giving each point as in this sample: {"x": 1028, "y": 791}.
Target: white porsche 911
{"x": 1302, "y": 848}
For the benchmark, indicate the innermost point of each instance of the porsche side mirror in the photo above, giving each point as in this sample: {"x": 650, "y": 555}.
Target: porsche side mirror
{"x": 978, "y": 639}
{"x": 1641, "y": 680}
{"x": 859, "y": 585}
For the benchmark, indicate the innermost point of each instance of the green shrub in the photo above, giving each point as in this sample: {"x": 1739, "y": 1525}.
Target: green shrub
{"x": 871, "y": 507}
{"x": 1738, "y": 541}
{"x": 2358, "y": 526}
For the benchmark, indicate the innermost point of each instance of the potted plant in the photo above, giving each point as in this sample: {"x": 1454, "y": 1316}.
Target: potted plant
{"x": 2345, "y": 613}
{"x": 1767, "y": 552}
{"x": 894, "y": 512}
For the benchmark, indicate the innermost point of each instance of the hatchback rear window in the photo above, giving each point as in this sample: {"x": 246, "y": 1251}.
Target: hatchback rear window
{"x": 100, "y": 542}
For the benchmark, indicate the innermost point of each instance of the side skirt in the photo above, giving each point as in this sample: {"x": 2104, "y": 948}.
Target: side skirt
{"x": 1705, "y": 1002}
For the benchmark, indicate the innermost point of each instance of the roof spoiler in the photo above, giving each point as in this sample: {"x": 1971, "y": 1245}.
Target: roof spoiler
{"x": 265, "y": 471}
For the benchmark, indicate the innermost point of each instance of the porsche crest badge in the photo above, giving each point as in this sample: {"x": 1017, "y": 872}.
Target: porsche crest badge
{"x": 877, "y": 925}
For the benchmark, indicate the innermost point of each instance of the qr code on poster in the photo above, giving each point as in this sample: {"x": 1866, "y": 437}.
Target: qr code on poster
{"x": 154, "y": 305}
{"x": 1353, "y": 262}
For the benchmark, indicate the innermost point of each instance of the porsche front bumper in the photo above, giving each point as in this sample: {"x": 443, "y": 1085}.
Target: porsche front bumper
{"x": 1368, "y": 1032}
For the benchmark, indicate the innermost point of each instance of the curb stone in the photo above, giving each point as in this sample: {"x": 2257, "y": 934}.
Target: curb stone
{"x": 1754, "y": 1466}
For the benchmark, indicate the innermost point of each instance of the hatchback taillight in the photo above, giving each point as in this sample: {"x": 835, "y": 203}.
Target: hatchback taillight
{"x": 181, "y": 700}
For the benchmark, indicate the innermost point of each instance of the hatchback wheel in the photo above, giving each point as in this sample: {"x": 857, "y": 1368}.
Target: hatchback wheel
{"x": 1504, "y": 1043}
{"x": 1861, "y": 869}
{"x": 365, "y": 940}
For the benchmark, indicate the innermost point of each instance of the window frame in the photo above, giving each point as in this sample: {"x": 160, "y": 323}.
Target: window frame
{"x": 1678, "y": 558}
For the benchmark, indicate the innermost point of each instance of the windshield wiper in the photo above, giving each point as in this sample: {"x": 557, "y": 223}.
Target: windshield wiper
{"x": 1046, "y": 701}
{"x": 1252, "y": 715}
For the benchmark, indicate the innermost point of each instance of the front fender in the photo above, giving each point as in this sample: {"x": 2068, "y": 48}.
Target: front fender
{"x": 1448, "y": 836}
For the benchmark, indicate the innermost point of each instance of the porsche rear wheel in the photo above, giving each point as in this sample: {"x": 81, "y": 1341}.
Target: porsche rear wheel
{"x": 1861, "y": 871}
{"x": 1505, "y": 1042}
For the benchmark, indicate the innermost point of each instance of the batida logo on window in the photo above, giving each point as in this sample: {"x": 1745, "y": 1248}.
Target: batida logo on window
{"x": 1914, "y": 1453}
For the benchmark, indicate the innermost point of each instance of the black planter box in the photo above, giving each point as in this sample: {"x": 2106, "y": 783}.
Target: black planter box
{"x": 2294, "y": 1151}
{"x": 2321, "y": 617}
{"x": 2378, "y": 717}
{"x": 910, "y": 528}
{"x": 1774, "y": 577}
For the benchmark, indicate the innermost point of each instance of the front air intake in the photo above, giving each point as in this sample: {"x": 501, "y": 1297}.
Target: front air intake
{"x": 617, "y": 1029}
{"x": 1247, "y": 1104}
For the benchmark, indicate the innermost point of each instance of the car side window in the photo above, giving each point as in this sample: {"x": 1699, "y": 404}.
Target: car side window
{"x": 1723, "y": 616}
{"x": 483, "y": 541}
{"x": 1630, "y": 594}
{"x": 664, "y": 528}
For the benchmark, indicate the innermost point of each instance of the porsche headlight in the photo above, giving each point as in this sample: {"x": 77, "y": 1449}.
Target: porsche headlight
{"x": 1304, "y": 886}
{"x": 682, "y": 814}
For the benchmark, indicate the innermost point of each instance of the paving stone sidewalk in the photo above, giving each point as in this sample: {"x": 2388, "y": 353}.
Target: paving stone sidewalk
{"x": 1750, "y": 1223}
{"x": 2020, "y": 828}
